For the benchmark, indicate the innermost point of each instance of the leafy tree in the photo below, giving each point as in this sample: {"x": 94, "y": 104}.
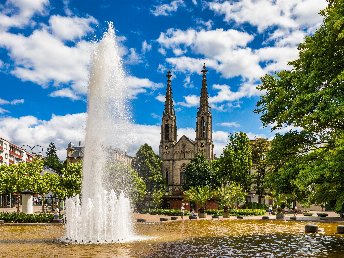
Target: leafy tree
{"x": 138, "y": 190}
{"x": 199, "y": 195}
{"x": 51, "y": 160}
{"x": 235, "y": 162}
{"x": 200, "y": 172}
{"x": 230, "y": 195}
{"x": 259, "y": 147}
{"x": 310, "y": 97}
{"x": 70, "y": 182}
{"x": 148, "y": 166}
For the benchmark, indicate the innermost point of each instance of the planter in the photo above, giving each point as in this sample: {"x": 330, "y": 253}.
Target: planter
{"x": 322, "y": 215}
{"x": 265, "y": 217}
{"x": 311, "y": 229}
{"x": 163, "y": 219}
{"x": 292, "y": 218}
{"x": 279, "y": 216}
{"x": 307, "y": 214}
{"x": 226, "y": 214}
{"x": 202, "y": 215}
{"x": 240, "y": 217}
{"x": 174, "y": 218}
{"x": 215, "y": 216}
{"x": 141, "y": 220}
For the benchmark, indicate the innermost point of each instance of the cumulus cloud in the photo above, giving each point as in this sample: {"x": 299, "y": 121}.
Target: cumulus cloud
{"x": 64, "y": 93}
{"x": 70, "y": 28}
{"x": 168, "y": 8}
{"x": 9, "y": 102}
{"x": 190, "y": 101}
{"x": 140, "y": 85}
{"x": 146, "y": 47}
{"x": 18, "y": 13}
{"x": 29, "y": 130}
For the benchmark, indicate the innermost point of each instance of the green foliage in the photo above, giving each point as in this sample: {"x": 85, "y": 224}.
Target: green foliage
{"x": 305, "y": 164}
{"x": 138, "y": 190}
{"x": 200, "y": 172}
{"x": 51, "y": 160}
{"x": 148, "y": 166}
{"x": 214, "y": 212}
{"x": 247, "y": 212}
{"x": 235, "y": 163}
{"x": 199, "y": 195}
{"x": 168, "y": 212}
{"x": 19, "y": 217}
{"x": 230, "y": 195}
{"x": 157, "y": 196}
{"x": 69, "y": 184}
{"x": 260, "y": 148}
{"x": 254, "y": 205}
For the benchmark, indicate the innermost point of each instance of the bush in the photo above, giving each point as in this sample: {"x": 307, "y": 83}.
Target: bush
{"x": 255, "y": 205}
{"x": 168, "y": 212}
{"x": 247, "y": 212}
{"x": 19, "y": 217}
{"x": 214, "y": 212}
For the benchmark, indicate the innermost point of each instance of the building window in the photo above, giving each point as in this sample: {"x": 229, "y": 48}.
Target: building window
{"x": 5, "y": 146}
{"x": 182, "y": 174}
{"x": 167, "y": 132}
{"x": 203, "y": 127}
{"x": 166, "y": 177}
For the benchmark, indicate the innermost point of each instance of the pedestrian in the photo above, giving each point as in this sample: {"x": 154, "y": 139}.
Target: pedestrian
{"x": 182, "y": 209}
{"x": 270, "y": 209}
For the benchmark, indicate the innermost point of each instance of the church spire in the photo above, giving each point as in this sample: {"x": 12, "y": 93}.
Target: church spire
{"x": 169, "y": 109}
{"x": 204, "y": 105}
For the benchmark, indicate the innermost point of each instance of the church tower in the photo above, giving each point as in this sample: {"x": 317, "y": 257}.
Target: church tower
{"x": 204, "y": 141}
{"x": 168, "y": 132}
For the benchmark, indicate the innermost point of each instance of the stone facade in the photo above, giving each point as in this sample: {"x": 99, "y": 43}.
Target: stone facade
{"x": 175, "y": 154}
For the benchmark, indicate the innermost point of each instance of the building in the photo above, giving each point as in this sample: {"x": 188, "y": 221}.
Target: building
{"x": 12, "y": 154}
{"x": 76, "y": 154}
{"x": 175, "y": 155}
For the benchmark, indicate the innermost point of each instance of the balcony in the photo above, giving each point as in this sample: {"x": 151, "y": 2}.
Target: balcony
{"x": 11, "y": 162}
{"x": 13, "y": 153}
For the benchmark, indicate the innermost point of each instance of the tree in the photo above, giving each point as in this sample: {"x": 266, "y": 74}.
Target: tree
{"x": 148, "y": 166}
{"x": 200, "y": 172}
{"x": 70, "y": 181}
{"x": 311, "y": 98}
{"x": 259, "y": 147}
{"x": 230, "y": 195}
{"x": 51, "y": 160}
{"x": 199, "y": 195}
{"x": 235, "y": 162}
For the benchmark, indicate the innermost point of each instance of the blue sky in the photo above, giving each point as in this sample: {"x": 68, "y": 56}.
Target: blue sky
{"x": 45, "y": 49}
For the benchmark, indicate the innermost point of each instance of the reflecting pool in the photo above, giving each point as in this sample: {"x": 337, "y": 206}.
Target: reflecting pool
{"x": 204, "y": 238}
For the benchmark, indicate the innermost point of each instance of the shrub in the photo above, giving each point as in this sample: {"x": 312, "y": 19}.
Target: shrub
{"x": 255, "y": 205}
{"x": 168, "y": 212}
{"x": 19, "y": 217}
{"x": 247, "y": 212}
{"x": 214, "y": 212}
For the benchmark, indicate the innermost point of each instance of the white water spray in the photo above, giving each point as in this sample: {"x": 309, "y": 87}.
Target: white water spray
{"x": 104, "y": 213}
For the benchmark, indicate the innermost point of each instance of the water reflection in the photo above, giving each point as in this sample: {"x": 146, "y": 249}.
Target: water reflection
{"x": 229, "y": 238}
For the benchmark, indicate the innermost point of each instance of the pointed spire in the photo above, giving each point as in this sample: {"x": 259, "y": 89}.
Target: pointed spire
{"x": 204, "y": 105}
{"x": 169, "y": 109}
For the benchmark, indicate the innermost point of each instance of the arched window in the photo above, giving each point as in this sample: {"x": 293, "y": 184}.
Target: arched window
{"x": 182, "y": 174}
{"x": 203, "y": 127}
{"x": 166, "y": 177}
{"x": 167, "y": 132}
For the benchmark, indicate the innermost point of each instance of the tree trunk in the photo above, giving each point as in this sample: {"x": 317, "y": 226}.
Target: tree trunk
{"x": 43, "y": 211}
{"x": 18, "y": 202}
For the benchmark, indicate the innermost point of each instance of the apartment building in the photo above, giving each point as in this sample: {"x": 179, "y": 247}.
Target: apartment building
{"x": 12, "y": 154}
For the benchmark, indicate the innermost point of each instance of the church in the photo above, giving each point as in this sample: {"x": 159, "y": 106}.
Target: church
{"x": 175, "y": 155}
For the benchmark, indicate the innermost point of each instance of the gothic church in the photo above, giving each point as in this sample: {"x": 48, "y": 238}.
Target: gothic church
{"x": 175, "y": 154}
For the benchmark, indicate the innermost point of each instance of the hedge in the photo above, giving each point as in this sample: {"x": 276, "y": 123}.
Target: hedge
{"x": 168, "y": 212}
{"x": 19, "y": 217}
{"x": 247, "y": 212}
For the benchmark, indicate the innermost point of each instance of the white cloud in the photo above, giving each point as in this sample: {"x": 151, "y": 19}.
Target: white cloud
{"x": 11, "y": 102}
{"x": 146, "y": 47}
{"x": 29, "y": 130}
{"x": 160, "y": 98}
{"x": 167, "y": 9}
{"x": 44, "y": 59}
{"x": 71, "y": 28}
{"x": 229, "y": 124}
{"x": 3, "y": 111}
{"x": 64, "y": 93}
{"x": 140, "y": 85}
{"x": 133, "y": 58}
{"x": 190, "y": 101}
{"x": 17, "y": 13}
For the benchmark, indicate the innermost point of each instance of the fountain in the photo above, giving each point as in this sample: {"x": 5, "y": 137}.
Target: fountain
{"x": 103, "y": 214}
